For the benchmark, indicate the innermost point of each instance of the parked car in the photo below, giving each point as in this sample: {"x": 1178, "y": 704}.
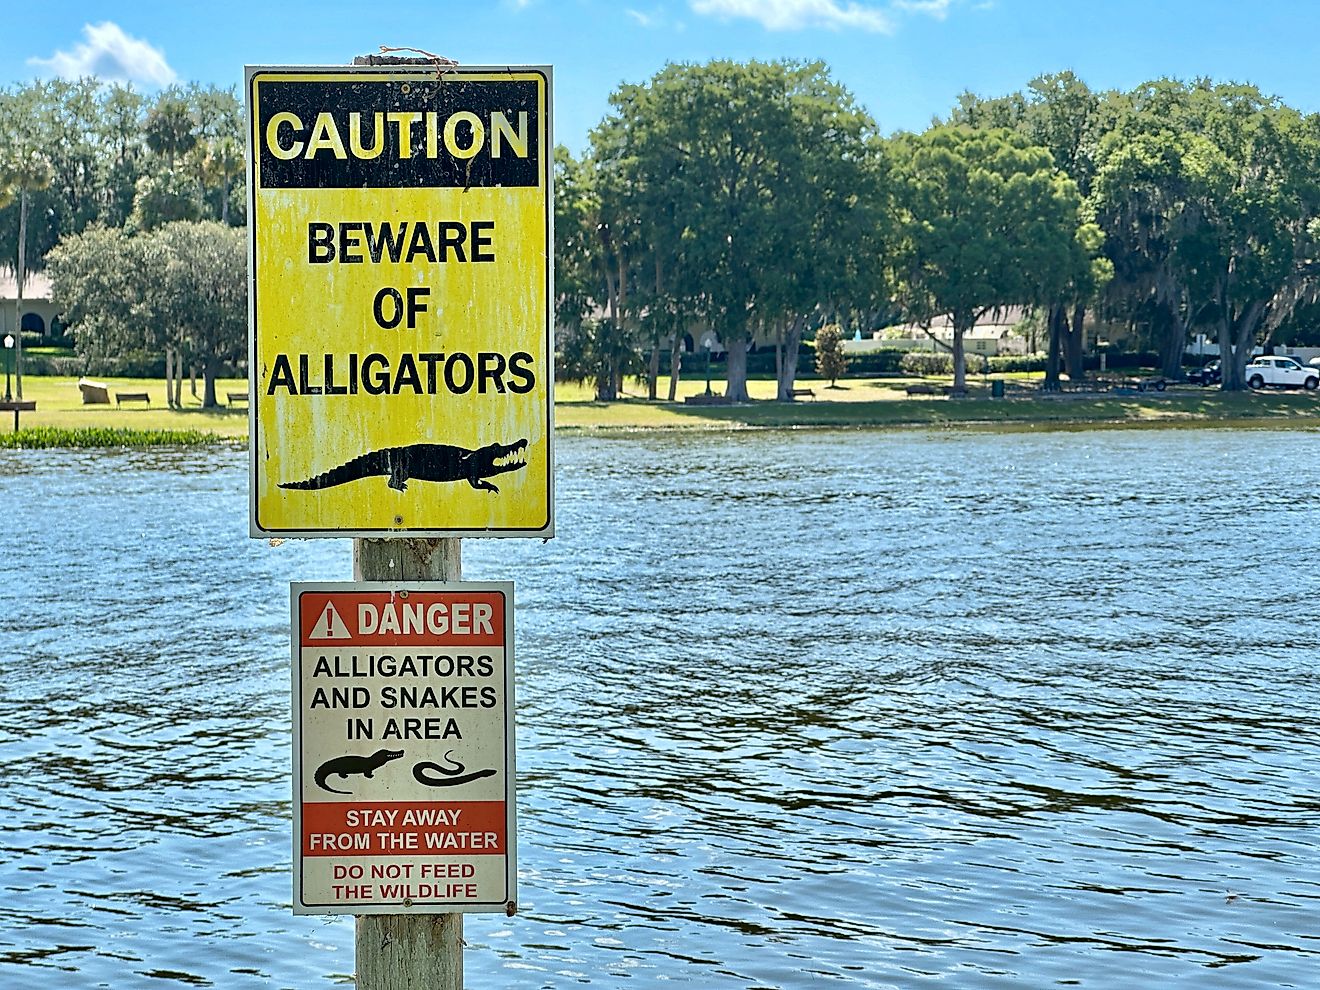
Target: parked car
{"x": 1282, "y": 372}
{"x": 1209, "y": 375}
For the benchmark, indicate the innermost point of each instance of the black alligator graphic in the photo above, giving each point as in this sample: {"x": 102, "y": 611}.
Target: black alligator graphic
{"x": 344, "y": 765}
{"x": 424, "y": 462}
{"x": 454, "y": 776}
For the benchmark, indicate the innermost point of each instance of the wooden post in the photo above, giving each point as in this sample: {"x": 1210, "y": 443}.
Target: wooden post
{"x": 408, "y": 951}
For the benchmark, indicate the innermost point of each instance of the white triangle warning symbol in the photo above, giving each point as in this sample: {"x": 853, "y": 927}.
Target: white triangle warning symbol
{"x": 329, "y": 625}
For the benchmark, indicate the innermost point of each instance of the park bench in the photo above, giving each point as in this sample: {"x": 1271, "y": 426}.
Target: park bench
{"x": 920, "y": 388}
{"x": 233, "y": 397}
{"x": 799, "y": 393}
{"x": 122, "y": 397}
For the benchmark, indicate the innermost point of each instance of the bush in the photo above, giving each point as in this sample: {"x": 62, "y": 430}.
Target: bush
{"x": 40, "y": 365}
{"x": 831, "y": 362}
{"x": 874, "y": 363}
{"x": 925, "y": 363}
{"x": 1007, "y": 363}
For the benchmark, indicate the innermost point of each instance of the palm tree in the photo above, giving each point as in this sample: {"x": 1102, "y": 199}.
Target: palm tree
{"x": 22, "y": 171}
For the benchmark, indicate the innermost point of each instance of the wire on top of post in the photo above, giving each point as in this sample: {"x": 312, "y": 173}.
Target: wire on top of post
{"x": 440, "y": 62}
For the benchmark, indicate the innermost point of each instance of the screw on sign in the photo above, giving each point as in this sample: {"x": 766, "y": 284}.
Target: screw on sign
{"x": 403, "y": 762}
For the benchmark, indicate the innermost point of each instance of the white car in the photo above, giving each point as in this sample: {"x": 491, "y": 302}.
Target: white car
{"x": 1281, "y": 371}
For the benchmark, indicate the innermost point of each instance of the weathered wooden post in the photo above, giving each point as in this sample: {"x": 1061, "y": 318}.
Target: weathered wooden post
{"x": 402, "y": 950}
{"x": 402, "y": 395}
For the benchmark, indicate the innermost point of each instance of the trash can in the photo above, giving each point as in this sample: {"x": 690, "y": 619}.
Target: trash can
{"x": 997, "y": 389}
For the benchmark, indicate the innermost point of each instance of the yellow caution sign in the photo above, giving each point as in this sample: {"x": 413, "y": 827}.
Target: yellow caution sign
{"x": 401, "y": 356}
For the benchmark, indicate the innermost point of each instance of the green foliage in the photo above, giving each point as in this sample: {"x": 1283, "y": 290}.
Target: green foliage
{"x": 183, "y": 285}
{"x": 988, "y": 221}
{"x": 94, "y": 138}
{"x": 733, "y": 195}
{"x": 1210, "y": 198}
{"x": 594, "y": 351}
{"x": 831, "y": 362}
{"x": 170, "y": 129}
{"x": 1008, "y": 363}
{"x": 164, "y": 197}
{"x": 45, "y": 437}
{"x": 883, "y": 362}
{"x": 923, "y": 363}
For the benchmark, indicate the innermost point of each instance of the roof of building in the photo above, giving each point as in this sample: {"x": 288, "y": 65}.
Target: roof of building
{"x": 1004, "y": 316}
{"x": 35, "y": 286}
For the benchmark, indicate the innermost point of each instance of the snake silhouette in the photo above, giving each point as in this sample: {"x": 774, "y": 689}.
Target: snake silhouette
{"x": 452, "y": 776}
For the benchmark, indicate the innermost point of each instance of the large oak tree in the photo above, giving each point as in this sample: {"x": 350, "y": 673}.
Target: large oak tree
{"x": 987, "y": 222}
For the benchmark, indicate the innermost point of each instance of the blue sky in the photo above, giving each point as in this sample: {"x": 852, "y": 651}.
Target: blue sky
{"x": 905, "y": 60}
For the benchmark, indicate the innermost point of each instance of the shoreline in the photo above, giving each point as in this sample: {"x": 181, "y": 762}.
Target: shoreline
{"x": 858, "y": 404}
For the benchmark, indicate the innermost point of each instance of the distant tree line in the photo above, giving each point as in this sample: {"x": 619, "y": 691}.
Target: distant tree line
{"x": 759, "y": 198}
{"x": 749, "y": 200}
{"x": 90, "y": 168}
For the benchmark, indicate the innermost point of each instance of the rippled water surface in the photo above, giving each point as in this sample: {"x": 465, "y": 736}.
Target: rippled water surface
{"x": 796, "y": 710}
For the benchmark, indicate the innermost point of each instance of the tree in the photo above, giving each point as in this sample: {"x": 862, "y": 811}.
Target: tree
{"x": 592, "y": 348}
{"x": 202, "y": 279}
{"x": 182, "y": 287}
{"x": 217, "y": 158}
{"x": 24, "y": 170}
{"x": 720, "y": 183}
{"x": 1060, "y": 113}
{"x": 831, "y": 362}
{"x": 170, "y": 128}
{"x": 122, "y": 149}
{"x": 1211, "y": 193}
{"x": 164, "y": 197}
{"x": 101, "y": 281}
{"x": 988, "y": 222}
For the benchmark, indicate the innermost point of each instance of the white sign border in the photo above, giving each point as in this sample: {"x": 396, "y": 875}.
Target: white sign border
{"x": 510, "y": 904}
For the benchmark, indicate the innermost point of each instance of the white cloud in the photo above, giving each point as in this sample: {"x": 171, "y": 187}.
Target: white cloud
{"x": 791, "y": 15}
{"x": 938, "y": 9}
{"x": 109, "y": 54}
{"x": 645, "y": 20}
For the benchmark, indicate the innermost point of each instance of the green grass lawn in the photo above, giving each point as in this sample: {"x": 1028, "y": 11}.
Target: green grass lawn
{"x": 59, "y": 405}
{"x": 856, "y": 402}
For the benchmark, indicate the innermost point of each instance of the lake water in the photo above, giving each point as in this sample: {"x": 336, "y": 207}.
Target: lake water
{"x": 813, "y": 709}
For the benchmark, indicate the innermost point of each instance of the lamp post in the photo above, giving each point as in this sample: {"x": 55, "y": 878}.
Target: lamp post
{"x": 708, "y": 343}
{"x": 9, "y": 360}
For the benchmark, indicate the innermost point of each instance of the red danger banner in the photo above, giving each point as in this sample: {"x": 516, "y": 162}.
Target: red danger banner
{"x": 402, "y": 619}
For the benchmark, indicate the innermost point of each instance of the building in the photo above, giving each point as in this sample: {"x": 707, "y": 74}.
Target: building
{"x": 997, "y": 331}
{"x": 1012, "y": 330}
{"x": 38, "y": 309}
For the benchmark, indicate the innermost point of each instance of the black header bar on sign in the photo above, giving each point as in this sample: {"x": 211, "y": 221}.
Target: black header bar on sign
{"x": 395, "y": 132}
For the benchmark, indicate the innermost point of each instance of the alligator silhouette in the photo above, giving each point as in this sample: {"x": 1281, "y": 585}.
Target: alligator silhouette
{"x": 344, "y": 765}
{"x": 424, "y": 462}
{"x": 454, "y": 776}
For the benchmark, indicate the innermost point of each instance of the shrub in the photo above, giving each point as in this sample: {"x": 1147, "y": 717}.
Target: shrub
{"x": 925, "y": 363}
{"x": 871, "y": 363}
{"x": 831, "y": 362}
{"x": 1003, "y": 363}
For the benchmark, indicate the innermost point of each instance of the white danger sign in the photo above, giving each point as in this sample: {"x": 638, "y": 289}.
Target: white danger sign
{"x": 403, "y": 748}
